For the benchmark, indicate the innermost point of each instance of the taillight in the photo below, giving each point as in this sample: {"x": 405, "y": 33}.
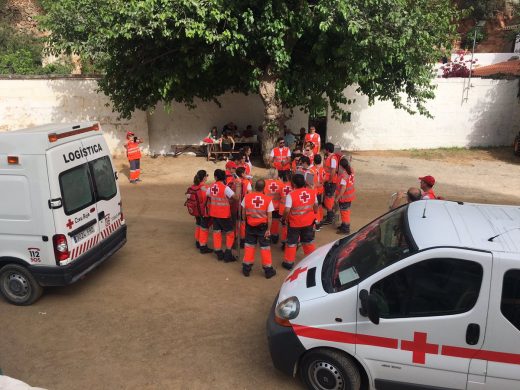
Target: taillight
{"x": 61, "y": 249}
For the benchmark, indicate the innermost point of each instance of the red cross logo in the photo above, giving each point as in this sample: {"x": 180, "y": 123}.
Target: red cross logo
{"x": 214, "y": 190}
{"x": 419, "y": 347}
{"x": 273, "y": 187}
{"x": 304, "y": 196}
{"x": 297, "y": 272}
{"x": 258, "y": 201}
{"x": 69, "y": 223}
{"x": 287, "y": 190}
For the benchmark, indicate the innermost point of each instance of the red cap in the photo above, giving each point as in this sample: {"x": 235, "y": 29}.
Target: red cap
{"x": 231, "y": 165}
{"x": 430, "y": 180}
{"x": 129, "y": 133}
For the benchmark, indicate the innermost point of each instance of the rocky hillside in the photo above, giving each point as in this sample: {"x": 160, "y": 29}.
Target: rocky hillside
{"x": 21, "y": 14}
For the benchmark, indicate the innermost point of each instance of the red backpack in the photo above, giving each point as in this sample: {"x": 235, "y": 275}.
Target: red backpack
{"x": 193, "y": 201}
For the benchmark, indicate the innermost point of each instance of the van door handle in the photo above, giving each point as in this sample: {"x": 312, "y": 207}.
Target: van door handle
{"x": 101, "y": 215}
{"x": 472, "y": 334}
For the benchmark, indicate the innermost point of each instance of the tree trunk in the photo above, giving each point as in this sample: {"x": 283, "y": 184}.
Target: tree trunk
{"x": 274, "y": 116}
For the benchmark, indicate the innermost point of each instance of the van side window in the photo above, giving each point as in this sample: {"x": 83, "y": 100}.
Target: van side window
{"x": 430, "y": 288}
{"x": 510, "y": 305}
{"x": 76, "y": 189}
{"x": 104, "y": 180}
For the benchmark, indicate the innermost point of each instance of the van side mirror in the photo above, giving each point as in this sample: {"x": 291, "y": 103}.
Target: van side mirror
{"x": 369, "y": 307}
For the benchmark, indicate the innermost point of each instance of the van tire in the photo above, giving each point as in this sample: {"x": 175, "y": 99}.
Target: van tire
{"x": 18, "y": 286}
{"x": 327, "y": 369}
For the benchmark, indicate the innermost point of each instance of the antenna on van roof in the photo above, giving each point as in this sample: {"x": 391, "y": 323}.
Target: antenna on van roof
{"x": 424, "y": 211}
{"x": 499, "y": 234}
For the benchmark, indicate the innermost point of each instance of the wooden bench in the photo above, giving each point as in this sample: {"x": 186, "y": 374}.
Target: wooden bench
{"x": 178, "y": 149}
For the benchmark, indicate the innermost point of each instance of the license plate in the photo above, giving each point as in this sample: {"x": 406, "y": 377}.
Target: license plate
{"x": 85, "y": 233}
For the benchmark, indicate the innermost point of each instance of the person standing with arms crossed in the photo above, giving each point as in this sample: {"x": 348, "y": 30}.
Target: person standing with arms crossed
{"x": 218, "y": 197}
{"x": 133, "y": 153}
{"x": 300, "y": 211}
{"x": 257, "y": 209}
{"x": 313, "y": 138}
{"x": 281, "y": 158}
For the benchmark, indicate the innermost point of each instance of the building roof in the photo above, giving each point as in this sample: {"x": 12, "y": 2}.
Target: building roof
{"x": 508, "y": 68}
{"x": 436, "y": 223}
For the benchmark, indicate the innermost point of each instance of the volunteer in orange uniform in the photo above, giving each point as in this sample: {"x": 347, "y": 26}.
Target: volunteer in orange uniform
{"x": 257, "y": 209}
{"x": 319, "y": 178}
{"x": 246, "y": 189}
{"x": 231, "y": 168}
{"x": 306, "y": 171}
{"x": 301, "y": 206}
{"x": 218, "y": 196}
{"x": 314, "y": 138}
{"x": 203, "y": 221}
{"x": 284, "y": 191}
{"x": 272, "y": 190}
{"x": 345, "y": 196}
{"x": 241, "y": 162}
{"x": 133, "y": 152}
{"x": 427, "y": 183}
{"x": 281, "y": 158}
{"x": 331, "y": 178}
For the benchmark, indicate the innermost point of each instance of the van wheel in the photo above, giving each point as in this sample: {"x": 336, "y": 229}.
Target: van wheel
{"x": 329, "y": 370}
{"x": 18, "y": 285}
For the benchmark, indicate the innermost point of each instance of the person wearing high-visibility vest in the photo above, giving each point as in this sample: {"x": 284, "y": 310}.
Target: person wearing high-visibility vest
{"x": 202, "y": 222}
{"x": 257, "y": 209}
{"x": 301, "y": 206}
{"x": 133, "y": 153}
{"x": 314, "y": 138}
{"x": 218, "y": 197}
{"x": 285, "y": 189}
{"x": 246, "y": 189}
{"x": 318, "y": 180}
{"x": 345, "y": 195}
{"x": 331, "y": 178}
{"x": 281, "y": 158}
{"x": 272, "y": 190}
{"x": 305, "y": 169}
{"x": 427, "y": 183}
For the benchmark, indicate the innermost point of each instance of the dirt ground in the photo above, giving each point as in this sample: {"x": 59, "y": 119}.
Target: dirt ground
{"x": 159, "y": 315}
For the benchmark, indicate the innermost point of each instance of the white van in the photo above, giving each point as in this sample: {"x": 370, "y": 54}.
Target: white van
{"x": 60, "y": 207}
{"x": 424, "y": 297}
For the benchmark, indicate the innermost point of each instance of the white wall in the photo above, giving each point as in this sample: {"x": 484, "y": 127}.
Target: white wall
{"x": 180, "y": 125}
{"x": 31, "y": 102}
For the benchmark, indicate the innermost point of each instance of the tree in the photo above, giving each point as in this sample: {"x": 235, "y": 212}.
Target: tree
{"x": 293, "y": 53}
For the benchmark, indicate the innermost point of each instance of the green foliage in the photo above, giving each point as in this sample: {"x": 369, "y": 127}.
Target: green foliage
{"x": 180, "y": 50}
{"x": 467, "y": 41}
{"x": 482, "y": 9}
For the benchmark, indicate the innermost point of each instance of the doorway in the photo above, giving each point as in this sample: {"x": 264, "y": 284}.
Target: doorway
{"x": 318, "y": 119}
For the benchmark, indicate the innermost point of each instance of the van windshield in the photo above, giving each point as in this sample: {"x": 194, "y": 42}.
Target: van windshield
{"x": 374, "y": 247}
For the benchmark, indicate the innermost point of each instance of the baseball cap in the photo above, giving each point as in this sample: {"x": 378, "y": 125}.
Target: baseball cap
{"x": 231, "y": 165}
{"x": 129, "y": 133}
{"x": 430, "y": 180}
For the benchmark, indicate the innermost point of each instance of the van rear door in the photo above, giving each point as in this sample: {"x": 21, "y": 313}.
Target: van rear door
{"x": 107, "y": 192}
{"x": 71, "y": 186}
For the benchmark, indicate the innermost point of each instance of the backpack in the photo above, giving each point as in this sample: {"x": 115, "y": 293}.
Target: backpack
{"x": 193, "y": 202}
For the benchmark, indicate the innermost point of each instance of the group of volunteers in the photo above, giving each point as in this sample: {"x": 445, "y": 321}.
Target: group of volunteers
{"x": 299, "y": 196}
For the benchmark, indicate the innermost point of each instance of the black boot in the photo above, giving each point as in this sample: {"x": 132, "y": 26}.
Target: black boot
{"x": 288, "y": 266}
{"x": 242, "y": 243}
{"x": 220, "y": 255}
{"x": 269, "y": 272}
{"x": 205, "y": 249}
{"x": 246, "y": 269}
{"x": 343, "y": 229}
{"x": 329, "y": 219}
{"x": 197, "y": 244}
{"x": 228, "y": 256}
{"x": 274, "y": 239}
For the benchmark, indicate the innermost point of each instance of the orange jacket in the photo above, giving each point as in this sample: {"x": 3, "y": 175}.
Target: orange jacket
{"x": 315, "y": 139}
{"x": 349, "y": 194}
{"x": 284, "y": 191}
{"x": 218, "y": 202}
{"x": 133, "y": 151}
{"x": 281, "y": 160}
{"x": 255, "y": 205}
{"x": 302, "y": 209}
{"x": 272, "y": 190}
{"x": 331, "y": 174}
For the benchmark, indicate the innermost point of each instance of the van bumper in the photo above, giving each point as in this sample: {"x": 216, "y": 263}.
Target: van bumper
{"x": 70, "y": 273}
{"x": 284, "y": 346}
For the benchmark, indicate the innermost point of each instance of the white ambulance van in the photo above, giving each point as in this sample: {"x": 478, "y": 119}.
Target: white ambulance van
{"x": 424, "y": 297}
{"x": 60, "y": 207}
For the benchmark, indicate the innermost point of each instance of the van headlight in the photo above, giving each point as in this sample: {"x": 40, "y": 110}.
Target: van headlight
{"x": 288, "y": 309}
